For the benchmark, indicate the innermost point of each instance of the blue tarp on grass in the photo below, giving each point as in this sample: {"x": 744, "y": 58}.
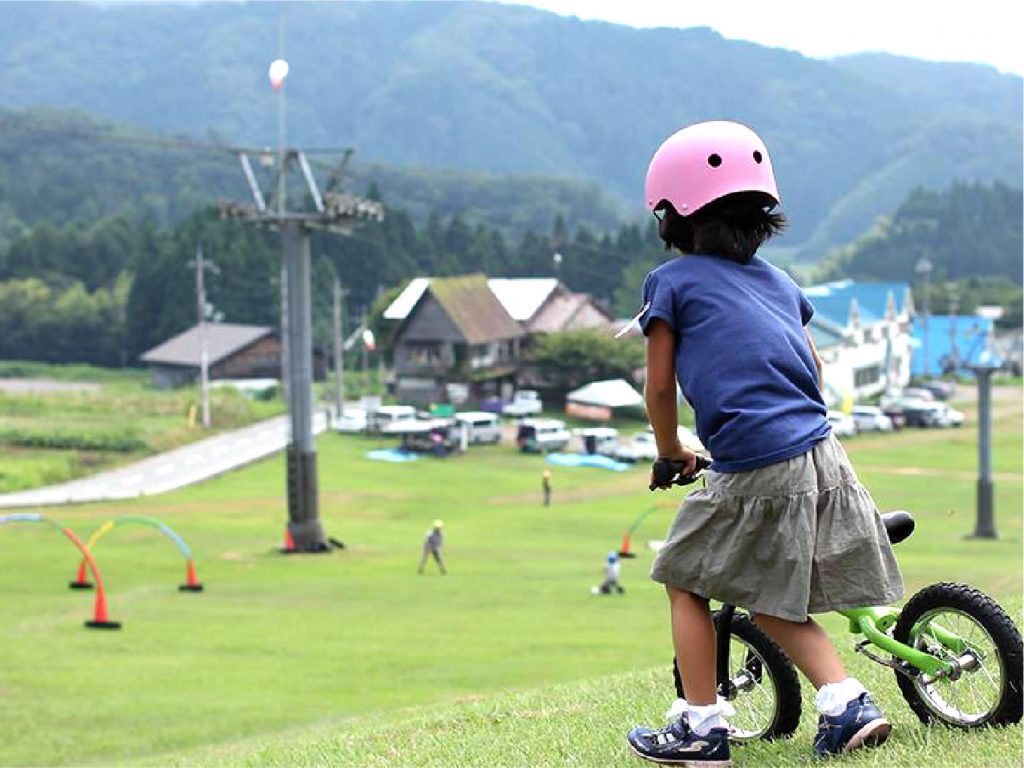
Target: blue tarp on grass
{"x": 394, "y": 455}
{"x": 586, "y": 460}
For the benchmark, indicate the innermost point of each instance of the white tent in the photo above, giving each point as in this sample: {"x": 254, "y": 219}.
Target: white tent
{"x": 613, "y": 393}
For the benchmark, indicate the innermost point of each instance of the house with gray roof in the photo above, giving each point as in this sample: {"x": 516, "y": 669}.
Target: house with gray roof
{"x": 456, "y": 343}
{"x": 538, "y": 304}
{"x": 233, "y": 352}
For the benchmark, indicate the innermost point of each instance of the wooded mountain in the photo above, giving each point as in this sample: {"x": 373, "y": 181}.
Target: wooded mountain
{"x": 59, "y": 167}
{"x": 511, "y": 89}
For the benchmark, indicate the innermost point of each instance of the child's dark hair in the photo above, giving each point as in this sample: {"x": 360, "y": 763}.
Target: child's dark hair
{"x": 732, "y": 227}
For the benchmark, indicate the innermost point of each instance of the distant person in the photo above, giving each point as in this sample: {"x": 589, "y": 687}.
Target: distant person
{"x": 432, "y": 547}
{"x": 612, "y": 575}
{"x": 783, "y": 528}
{"x": 545, "y": 484}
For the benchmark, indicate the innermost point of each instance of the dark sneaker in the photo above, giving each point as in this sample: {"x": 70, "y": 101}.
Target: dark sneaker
{"x": 676, "y": 744}
{"x": 861, "y": 725}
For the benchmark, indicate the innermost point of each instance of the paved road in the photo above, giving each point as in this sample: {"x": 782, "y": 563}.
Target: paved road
{"x": 167, "y": 471}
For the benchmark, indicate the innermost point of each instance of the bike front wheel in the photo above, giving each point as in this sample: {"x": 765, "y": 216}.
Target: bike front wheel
{"x": 967, "y": 628}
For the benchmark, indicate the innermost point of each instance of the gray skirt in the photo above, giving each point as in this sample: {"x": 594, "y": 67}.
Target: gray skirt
{"x": 797, "y": 537}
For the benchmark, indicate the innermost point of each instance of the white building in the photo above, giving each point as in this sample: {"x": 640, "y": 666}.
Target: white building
{"x": 863, "y": 333}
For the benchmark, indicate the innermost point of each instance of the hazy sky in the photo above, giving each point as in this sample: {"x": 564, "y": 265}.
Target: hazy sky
{"x": 984, "y": 31}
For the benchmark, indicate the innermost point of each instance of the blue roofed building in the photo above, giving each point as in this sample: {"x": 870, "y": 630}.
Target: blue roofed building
{"x": 863, "y": 333}
{"x": 950, "y": 343}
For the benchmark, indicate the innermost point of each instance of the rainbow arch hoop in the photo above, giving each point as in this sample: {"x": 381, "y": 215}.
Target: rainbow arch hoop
{"x": 192, "y": 583}
{"x": 100, "y": 619}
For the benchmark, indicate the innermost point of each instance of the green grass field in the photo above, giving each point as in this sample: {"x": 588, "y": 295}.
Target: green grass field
{"x": 48, "y": 437}
{"x": 353, "y": 659}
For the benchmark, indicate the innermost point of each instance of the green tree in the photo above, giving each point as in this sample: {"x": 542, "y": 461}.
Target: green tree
{"x": 573, "y": 358}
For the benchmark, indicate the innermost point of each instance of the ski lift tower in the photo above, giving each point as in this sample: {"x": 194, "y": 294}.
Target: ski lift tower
{"x": 333, "y": 212}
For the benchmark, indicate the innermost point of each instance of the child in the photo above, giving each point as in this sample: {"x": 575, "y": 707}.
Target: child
{"x": 783, "y": 527}
{"x": 545, "y": 484}
{"x": 612, "y": 574}
{"x": 432, "y": 544}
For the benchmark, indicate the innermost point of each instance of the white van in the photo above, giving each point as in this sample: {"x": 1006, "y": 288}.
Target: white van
{"x": 389, "y": 414}
{"x": 483, "y": 427}
{"x": 541, "y": 435}
{"x": 598, "y": 440}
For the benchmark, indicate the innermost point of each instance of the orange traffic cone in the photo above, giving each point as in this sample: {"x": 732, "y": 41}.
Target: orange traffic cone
{"x": 100, "y": 619}
{"x": 624, "y": 550}
{"x": 192, "y": 584}
{"x": 82, "y": 581}
{"x": 289, "y": 542}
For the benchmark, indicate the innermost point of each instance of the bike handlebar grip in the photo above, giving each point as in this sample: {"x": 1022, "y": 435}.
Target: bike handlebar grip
{"x": 669, "y": 472}
{"x": 664, "y": 472}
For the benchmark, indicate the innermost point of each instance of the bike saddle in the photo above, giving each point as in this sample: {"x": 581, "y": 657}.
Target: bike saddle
{"x": 899, "y": 525}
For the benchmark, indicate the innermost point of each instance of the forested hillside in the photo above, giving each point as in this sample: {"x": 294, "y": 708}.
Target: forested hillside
{"x": 971, "y": 234}
{"x": 510, "y": 89}
{"x": 60, "y": 167}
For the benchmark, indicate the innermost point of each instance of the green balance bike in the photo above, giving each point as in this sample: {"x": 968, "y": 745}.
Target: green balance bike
{"x": 956, "y": 654}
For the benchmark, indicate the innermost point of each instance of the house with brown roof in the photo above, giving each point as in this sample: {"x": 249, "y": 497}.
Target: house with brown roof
{"x": 456, "y": 343}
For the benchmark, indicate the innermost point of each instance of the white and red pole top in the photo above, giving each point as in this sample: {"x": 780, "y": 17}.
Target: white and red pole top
{"x": 278, "y": 72}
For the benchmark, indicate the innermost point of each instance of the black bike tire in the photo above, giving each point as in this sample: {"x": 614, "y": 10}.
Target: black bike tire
{"x": 1000, "y": 627}
{"x": 781, "y": 671}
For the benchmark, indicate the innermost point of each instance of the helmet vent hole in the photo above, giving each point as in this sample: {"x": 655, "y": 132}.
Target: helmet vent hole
{"x": 757, "y": 156}
{"x": 714, "y": 160}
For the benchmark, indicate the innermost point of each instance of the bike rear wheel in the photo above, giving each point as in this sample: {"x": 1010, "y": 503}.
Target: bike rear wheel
{"x": 762, "y": 686}
{"x": 986, "y": 687}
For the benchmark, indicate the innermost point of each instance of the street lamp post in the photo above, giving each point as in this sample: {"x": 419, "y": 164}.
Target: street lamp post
{"x": 985, "y": 366}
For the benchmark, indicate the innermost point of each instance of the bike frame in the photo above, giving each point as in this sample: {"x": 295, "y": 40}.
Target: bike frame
{"x": 872, "y": 623}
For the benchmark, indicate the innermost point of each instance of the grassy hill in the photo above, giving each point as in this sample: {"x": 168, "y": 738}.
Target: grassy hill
{"x": 584, "y": 724}
{"x": 353, "y": 659}
{"x": 506, "y": 89}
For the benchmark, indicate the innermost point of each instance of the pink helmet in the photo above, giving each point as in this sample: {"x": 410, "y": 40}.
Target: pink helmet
{"x": 706, "y": 161}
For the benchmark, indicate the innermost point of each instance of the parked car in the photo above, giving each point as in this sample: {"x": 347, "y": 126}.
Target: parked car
{"x": 352, "y": 420}
{"x": 380, "y": 418}
{"x": 687, "y": 437}
{"x": 525, "y": 402}
{"x": 941, "y": 390}
{"x": 639, "y": 447}
{"x": 602, "y": 440}
{"x": 896, "y": 416}
{"x": 948, "y": 416}
{"x": 442, "y": 437}
{"x": 483, "y": 427}
{"x": 541, "y": 435}
{"x": 843, "y": 424}
{"x": 919, "y": 393}
{"x": 871, "y": 418}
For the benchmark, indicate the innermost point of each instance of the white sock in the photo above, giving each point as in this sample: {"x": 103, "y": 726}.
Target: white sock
{"x": 703, "y": 719}
{"x": 682, "y": 706}
{"x": 832, "y": 698}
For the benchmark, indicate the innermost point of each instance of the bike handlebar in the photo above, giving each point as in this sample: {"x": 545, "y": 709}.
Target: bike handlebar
{"x": 668, "y": 472}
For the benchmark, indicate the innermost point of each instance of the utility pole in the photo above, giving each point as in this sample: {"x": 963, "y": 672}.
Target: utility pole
{"x": 954, "y": 307}
{"x": 987, "y": 364}
{"x": 339, "y": 363}
{"x": 201, "y": 265}
{"x": 366, "y": 353}
{"x": 924, "y": 267}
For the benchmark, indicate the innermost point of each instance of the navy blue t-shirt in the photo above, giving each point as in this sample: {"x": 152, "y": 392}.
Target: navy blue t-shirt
{"x": 742, "y": 357}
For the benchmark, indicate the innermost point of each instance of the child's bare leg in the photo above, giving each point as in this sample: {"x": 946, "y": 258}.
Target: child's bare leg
{"x": 808, "y": 646}
{"x": 693, "y": 636}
